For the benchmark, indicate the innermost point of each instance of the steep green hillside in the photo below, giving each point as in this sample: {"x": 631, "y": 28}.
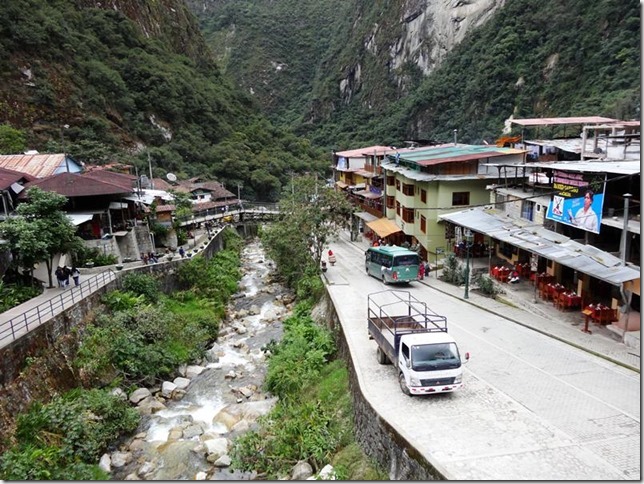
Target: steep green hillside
{"x": 132, "y": 79}
{"x": 532, "y": 58}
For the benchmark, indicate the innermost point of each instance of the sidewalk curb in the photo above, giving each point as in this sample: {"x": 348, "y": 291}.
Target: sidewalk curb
{"x": 516, "y": 321}
{"x": 545, "y": 333}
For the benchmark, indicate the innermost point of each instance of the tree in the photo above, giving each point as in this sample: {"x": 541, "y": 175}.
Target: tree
{"x": 12, "y": 140}
{"x": 39, "y": 231}
{"x": 310, "y": 215}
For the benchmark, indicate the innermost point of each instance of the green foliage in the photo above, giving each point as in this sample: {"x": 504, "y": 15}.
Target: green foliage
{"x": 65, "y": 438}
{"x": 119, "y": 84}
{"x": 310, "y": 215}
{"x": 300, "y": 356}
{"x": 84, "y": 254}
{"x": 122, "y": 301}
{"x": 40, "y": 230}
{"x": 453, "y": 270}
{"x": 12, "y": 141}
{"x": 12, "y": 295}
{"x": 142, "y": 284}
{"x": 486, "y": 284}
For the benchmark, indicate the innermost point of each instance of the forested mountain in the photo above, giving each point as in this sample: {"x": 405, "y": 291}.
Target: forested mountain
{"x": 348, "y": 72}
{"x": 139, "y": 80}
{"x": 124, "y": 80}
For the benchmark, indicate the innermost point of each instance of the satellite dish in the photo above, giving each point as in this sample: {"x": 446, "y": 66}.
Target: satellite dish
{"x": 145, "y": 181}
{"x": 172, "y": 177}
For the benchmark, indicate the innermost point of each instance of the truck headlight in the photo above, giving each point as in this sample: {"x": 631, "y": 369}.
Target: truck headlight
{"x": 458, "y": 380}
{"x": 414, "y": 382}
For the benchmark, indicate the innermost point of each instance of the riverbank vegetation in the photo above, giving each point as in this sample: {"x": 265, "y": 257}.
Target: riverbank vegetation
{"x": 140, "y": 337}
{"x": 313, "y": 419}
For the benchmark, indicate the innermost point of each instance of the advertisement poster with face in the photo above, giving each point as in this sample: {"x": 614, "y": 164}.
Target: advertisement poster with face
{"x": 578, "y": 201}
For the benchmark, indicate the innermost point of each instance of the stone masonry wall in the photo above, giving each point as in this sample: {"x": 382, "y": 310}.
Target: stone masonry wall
{"x": 376, "y": 437}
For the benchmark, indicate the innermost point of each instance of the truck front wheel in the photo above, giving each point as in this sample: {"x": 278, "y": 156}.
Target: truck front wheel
{"x": 403, "y": 384}
{"x": 382, "y": 358}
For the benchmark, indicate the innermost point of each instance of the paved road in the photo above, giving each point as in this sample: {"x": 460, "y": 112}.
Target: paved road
{"x": 533, "y": 407}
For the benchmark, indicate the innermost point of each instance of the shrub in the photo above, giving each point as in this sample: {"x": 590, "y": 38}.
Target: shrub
{"x": 142, "y": 284}
{"x": 453, "y": 270}
{"x": 486, "y": 284}
{"x": 62, "y": 440}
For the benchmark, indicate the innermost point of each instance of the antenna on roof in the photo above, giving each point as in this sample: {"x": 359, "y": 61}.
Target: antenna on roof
{"x": 171, "y": 177}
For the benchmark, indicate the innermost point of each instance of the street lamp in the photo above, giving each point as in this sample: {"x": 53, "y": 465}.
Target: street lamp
{"x": 468, "y": 237}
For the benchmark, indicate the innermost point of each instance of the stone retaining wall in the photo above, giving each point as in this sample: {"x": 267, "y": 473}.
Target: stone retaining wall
{"x": 376, "y": 437}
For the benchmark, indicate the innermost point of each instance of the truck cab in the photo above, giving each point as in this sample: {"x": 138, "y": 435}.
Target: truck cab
{"x": 429, "y": 363}
{"x": 416, "y": 341}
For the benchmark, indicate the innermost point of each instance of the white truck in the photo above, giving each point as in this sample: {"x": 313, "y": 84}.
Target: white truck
{"x": 415, "y": 340}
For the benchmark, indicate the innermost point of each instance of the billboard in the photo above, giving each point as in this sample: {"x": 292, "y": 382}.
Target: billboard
{"x": 578, "y": 200}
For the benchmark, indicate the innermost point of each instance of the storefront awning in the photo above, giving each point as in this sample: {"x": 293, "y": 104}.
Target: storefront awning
{"x": 536, "y": 239}
{"x": 78, "y": 219}
{"x": 366, "y": 216}
{"x": 367, "y": 194}
{"x": 384, "y": 227}
{"x": 341, "y": 184}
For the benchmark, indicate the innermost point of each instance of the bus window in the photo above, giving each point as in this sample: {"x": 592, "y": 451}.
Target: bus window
{"x": 406, "y": 260}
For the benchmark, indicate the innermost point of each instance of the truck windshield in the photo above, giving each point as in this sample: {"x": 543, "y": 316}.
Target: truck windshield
{"x": 439, "y": 356}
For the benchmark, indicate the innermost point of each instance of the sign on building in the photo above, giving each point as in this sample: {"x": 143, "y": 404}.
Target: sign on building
{"x": 578, "y": 201}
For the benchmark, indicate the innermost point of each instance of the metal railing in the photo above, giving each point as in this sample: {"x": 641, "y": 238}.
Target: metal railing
{"x": 20, "y": 325}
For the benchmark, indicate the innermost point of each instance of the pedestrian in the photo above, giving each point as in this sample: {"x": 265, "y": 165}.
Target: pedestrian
{"x": 331, "y": 258}
{"x": 514, "y": 277}
{"x": 67, "y": 273}
{"x": 428, "y": 268}
{"x": 76, "y": 275}
{"x": 152, "y": 258}
{"x": 182, "y": 252}
{"x": 421, "y": 271}
{"x": 60, "y": 276}
{"x": 145, "y": 258}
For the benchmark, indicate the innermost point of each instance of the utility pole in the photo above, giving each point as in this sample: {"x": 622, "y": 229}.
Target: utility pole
{"x": 62, "y": 143}
{"x": 468, "y": 236}
{"x": 150, "y": 167}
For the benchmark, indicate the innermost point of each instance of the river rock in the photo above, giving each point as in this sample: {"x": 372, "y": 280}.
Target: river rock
{"x": 175, "y": 433}
{"x": 326, "y": 474}
{"x": 178, "y": 394}
{"x": 132, "y": 477}
{"x": 119, "y": 459}
{"x": 105, "y": 463}
{"x": 216, "y": 448}
{"x": 119, "y": 393}
{"x": 223, "y": 461}
{"x": 192, "y": 431}
{"x": 181, "y": 382}
{"x": 149, "y": 406}
{"x": 167, "y": 388}
{"x": 139, "y": 394}
{"x": 201, "y": 476}
{"x": 301, "y": 471}
{"x": 193, "y": 370}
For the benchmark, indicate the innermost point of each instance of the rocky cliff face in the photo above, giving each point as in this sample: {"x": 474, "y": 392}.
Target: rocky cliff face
{"x": 417, "y": 38}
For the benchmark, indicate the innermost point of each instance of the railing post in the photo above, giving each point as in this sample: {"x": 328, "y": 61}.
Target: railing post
{"x": 26, "y": 323}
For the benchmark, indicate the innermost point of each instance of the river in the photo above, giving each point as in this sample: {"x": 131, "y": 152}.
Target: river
{"x": 183, "y": 440}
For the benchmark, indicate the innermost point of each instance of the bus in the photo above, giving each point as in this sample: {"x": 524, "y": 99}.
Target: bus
{"x": 392, "y": 264}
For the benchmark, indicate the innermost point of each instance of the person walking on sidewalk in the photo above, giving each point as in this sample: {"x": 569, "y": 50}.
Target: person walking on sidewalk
{"x": 76, "y": 275}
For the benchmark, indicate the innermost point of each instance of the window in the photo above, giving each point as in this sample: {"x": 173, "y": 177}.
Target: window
{"x": 408, "y": 215}
{"x": 423, "y": 195}
{"x": 391, "y": 181}
{"x": 398, "y": 208}
{"x": 408, "y": 189}
{"x": 423, "y": 224}
{"x": 527, "y": 210}
{"x": 391, "y": 201}
{"x": 460, "y": 198}
{"x": 397, "y": 184}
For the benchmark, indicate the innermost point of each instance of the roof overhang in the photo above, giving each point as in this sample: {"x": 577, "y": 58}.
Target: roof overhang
{"x": 384, "y": 227}
{"x": 550, "y": 245}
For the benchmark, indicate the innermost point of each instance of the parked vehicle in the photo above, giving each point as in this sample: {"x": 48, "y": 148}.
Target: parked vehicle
{"x": 415, "y": 340}
{"x": 392, "y": 264}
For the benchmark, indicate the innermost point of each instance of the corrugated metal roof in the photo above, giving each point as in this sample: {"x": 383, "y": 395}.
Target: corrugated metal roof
{"x": 566, "y": 120}
{"x": 556, "y": 247}
{"x": 616, "y": 167}
{"x": 367, "y": 194}
{"x": 366, "y": 216}
{"x": 39, "y": 165}
{"x": 367, "y": 151}
{"x": 454, "y": 153}
{"x": 75, "y": 185}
